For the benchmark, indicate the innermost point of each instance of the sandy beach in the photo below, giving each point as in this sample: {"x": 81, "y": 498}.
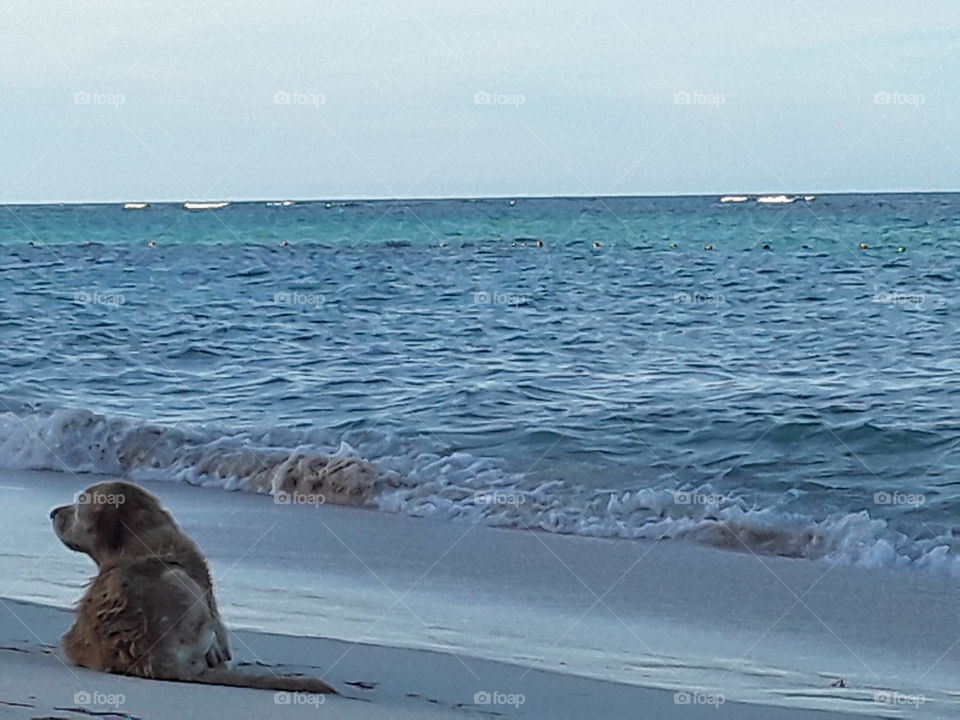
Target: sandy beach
{"x": 417, "y": 618}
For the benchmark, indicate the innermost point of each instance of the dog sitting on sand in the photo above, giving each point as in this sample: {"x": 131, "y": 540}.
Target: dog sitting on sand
{"x": 150, "y": 612}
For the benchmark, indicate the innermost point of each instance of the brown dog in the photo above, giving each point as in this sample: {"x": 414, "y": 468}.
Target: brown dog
{"x": 150, "y": 611}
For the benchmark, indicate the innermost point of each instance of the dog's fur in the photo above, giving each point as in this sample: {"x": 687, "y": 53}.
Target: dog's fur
{"x": 150, "y": 611}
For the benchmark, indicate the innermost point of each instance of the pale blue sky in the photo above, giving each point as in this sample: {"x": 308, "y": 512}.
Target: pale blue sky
{"x": 296, "y": 99}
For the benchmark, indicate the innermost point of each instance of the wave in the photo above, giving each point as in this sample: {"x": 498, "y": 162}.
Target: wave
{"x": 83, "y": 441}
{"x": 299, "y": 467}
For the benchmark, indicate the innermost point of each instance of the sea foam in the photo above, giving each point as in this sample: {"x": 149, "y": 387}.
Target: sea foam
{"x": 458, "y": 486}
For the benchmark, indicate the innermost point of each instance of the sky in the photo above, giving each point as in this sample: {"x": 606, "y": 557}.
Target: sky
{"x": 120, "y": 101}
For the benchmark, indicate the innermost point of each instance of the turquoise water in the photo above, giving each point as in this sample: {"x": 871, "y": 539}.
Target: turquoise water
{"x": 798, "y": 398}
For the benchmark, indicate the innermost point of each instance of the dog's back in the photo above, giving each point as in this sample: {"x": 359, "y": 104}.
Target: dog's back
{"x": 148, "y": 618}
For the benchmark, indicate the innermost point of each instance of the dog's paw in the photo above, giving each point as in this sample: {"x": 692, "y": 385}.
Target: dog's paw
{"x": 218, "y": 656}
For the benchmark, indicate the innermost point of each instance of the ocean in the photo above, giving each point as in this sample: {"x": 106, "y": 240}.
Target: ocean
{"x": 773, "y": 379}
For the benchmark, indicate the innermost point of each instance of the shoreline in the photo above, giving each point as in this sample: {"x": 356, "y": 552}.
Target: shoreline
{"x": 378, "y": 682}
{"x": 564, "y": 617}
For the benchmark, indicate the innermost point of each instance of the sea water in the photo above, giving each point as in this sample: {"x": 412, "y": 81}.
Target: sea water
{"x": 769, "y": 378}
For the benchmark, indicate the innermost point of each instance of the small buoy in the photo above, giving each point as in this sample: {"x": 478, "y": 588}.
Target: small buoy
{"x": 284, "y": 243}
{"x": 863, "y": 246}
{"x": 766, "y": 246}
{"x": 901, "y": 249}
{"x": 539, "y": 243}
{"x": 596, "y": 244}
{"x": 152, "y": 243}
{"x": 512, "y": 203}
{"x": 709, "y": 247}
{"x": 443, "y": 244}
{"x": 673, "y": 245}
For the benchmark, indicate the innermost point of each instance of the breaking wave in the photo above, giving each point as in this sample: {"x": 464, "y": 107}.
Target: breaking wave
{"x": 456, "y": 486}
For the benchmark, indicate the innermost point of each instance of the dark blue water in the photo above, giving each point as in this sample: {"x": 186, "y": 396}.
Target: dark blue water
{"x": 783, "y": 386}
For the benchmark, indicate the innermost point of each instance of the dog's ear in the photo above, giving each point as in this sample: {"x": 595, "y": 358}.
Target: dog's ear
{"x": 107, "y": 526}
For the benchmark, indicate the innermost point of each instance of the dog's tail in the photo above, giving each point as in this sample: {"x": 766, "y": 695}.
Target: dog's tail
{"x": 233, "y": 678}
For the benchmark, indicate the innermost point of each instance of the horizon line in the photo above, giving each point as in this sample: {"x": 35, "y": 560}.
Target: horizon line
{"x": 411, "y": 198}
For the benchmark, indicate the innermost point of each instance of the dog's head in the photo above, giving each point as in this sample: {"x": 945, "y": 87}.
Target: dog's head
{"x": 111, "y": 519}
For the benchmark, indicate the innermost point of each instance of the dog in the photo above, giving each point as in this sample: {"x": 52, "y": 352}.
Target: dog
{"x": 150, "y": 611}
